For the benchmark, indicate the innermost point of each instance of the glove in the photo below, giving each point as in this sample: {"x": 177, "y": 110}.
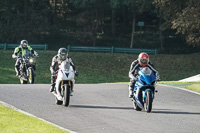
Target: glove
{"x": 76, "y": 73}
{"x": 157, "y": 77}
{"x": 35, "y": 53}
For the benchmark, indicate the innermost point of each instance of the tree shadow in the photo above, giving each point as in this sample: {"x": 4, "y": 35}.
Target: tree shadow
{"x": 100, "y": 107}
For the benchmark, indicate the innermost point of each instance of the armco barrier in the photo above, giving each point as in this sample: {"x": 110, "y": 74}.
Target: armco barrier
{"x": 111, "y": 49}
{"x": 34, "y": 46}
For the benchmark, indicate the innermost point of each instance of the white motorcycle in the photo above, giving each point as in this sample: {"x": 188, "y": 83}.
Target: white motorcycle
{"x": 64, "y": 83}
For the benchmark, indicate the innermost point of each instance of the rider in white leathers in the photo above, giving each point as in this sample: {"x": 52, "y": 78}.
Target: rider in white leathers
{"x": 56, "y": 61}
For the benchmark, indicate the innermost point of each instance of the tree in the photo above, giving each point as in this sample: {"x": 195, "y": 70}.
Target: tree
{"x": 184, "y": 16}
{"x": 138, "y": 6}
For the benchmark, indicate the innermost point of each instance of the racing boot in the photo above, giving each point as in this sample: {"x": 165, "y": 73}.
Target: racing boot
{"x": 52, "y": 87}
{"x": 130, "y": 92}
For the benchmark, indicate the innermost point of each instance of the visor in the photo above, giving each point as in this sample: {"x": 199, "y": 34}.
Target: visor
{"x": 143, "y": 61}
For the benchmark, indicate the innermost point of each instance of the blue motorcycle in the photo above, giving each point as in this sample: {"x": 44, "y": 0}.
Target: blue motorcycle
{"x": 144, "y": 90}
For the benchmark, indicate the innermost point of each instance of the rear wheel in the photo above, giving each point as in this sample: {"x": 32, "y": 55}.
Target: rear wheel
{"x": 148, "y": 102}
{"x": 31, "y": 77}
{"x": 66, "y": 92}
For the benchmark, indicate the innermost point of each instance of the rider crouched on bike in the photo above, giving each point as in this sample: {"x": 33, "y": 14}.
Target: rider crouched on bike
{"x": 56, "y": 61}
{"x": 21, "y": 51}
{"x": 142, "y": 61}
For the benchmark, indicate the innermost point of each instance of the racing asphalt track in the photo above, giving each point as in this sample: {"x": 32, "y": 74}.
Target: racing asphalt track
{"x": 106, "y": 108}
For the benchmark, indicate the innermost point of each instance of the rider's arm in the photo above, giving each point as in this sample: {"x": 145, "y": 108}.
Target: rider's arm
{"x": 133, "y": 67}
{"x": 71, "y": 63}
{"x": 16, "y": 51}
{"x": 150, "y": 65}
{"x": 54, "y": 65}
{"x": 32, "y": 51}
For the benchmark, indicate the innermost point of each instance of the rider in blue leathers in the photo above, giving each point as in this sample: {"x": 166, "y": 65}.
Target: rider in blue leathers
{"x": 142, "y": 61}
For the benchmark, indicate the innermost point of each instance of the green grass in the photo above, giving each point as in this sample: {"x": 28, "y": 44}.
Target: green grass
{"x": 104, "y": 67}
{"x": 12, "y": 121}
{"x": 195, "y": 86}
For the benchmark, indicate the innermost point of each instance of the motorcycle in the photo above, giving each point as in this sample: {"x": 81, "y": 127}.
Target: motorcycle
{"x": 144, "y": 90}
{"x": 27, "y": 68}
{"x": 64, "y": 83}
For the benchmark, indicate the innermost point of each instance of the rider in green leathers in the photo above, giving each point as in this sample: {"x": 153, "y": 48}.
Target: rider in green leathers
{"x": 21, "y": 51}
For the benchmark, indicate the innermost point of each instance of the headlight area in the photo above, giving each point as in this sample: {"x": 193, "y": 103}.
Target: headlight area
{"x": 31, "y": 60}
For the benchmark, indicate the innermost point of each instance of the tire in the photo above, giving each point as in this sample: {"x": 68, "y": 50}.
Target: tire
{"x": 148, "y": 102}
{"x": 66, "y": 93}
{"x": 22, "y": 81}
{"x": 31, "y": 77}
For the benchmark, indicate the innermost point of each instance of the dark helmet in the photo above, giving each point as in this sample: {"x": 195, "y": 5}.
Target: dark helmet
{"x": 143, "y": 59}
{"x": 24, "y": 44}
{"x": 62, "y": 53}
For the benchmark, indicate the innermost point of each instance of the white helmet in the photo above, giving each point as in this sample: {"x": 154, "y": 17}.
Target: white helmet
{"x": 24, "y": 44}
{"x": 62, "y": 53}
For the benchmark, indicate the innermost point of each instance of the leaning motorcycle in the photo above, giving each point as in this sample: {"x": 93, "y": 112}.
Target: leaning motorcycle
{"x": 144, "y": 90}
{"x": 27, "y": 68}
{"x": 64, "y": 83}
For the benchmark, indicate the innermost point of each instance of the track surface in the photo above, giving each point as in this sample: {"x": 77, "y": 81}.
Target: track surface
{"x": 106, "y": 108}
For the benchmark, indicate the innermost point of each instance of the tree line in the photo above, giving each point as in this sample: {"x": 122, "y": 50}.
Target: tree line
{"x": 162, "y": 24}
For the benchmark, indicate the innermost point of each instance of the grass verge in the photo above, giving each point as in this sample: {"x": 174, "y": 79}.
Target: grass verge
{"x": 12, "y": 121}
{"x": 103, "y": 67}
{"x": 195, "y": 86}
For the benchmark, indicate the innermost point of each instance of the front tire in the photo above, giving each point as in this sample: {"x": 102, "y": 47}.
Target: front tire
{"x": 66, "y": 98}
{"x": 31, "y": 77}
{"x": 148, "y": 102}
{"x": 23, "y": 81}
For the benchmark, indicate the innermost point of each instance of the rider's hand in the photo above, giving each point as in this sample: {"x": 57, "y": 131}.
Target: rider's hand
{"x": 157, "y": 77}
{"x": 76, "y": 73}
{"x": 35, "y": 53}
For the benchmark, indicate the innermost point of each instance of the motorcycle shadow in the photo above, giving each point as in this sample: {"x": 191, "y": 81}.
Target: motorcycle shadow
{"x": 169, "y": 111}
{"x": 101, "y": 107}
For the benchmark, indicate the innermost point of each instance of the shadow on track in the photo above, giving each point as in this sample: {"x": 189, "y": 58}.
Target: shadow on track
{"x": 164, "y": 111}
{"x": 100, "y": 107}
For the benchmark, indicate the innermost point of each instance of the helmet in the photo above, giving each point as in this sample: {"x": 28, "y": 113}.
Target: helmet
{"x": 24, "y": 44}
{"x": 143, "y": 59}
{"x": 62, "y": 53}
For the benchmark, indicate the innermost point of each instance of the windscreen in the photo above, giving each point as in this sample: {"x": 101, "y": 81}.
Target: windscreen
{"x": 67, "y": 65}
{"x": 146, "y": 71}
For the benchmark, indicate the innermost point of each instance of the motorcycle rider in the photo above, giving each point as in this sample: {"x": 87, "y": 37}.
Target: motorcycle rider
{"x": 56, "y": 61}
{"x": 21, "y": 51}
{"x": 142, "y": 61}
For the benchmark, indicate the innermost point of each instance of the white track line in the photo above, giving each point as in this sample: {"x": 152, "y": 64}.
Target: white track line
{"x": 180, "y": 88}
{"x": 19, "y": 110}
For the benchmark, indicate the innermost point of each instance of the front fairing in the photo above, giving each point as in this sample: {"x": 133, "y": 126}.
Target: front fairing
{"x": 146, "y": 78}
{"x": 146, "y": 81}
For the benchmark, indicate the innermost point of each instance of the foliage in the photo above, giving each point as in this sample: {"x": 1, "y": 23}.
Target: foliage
{"x": 99, "y": 22}
{"x": 184, "y": 16}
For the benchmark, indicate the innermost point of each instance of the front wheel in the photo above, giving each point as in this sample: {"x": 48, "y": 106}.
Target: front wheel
{"x": 66, "y": 95}
{"x": 31, "y": 77}
{"x": 148, "y": 102}
{"x": 23, "y": 81}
